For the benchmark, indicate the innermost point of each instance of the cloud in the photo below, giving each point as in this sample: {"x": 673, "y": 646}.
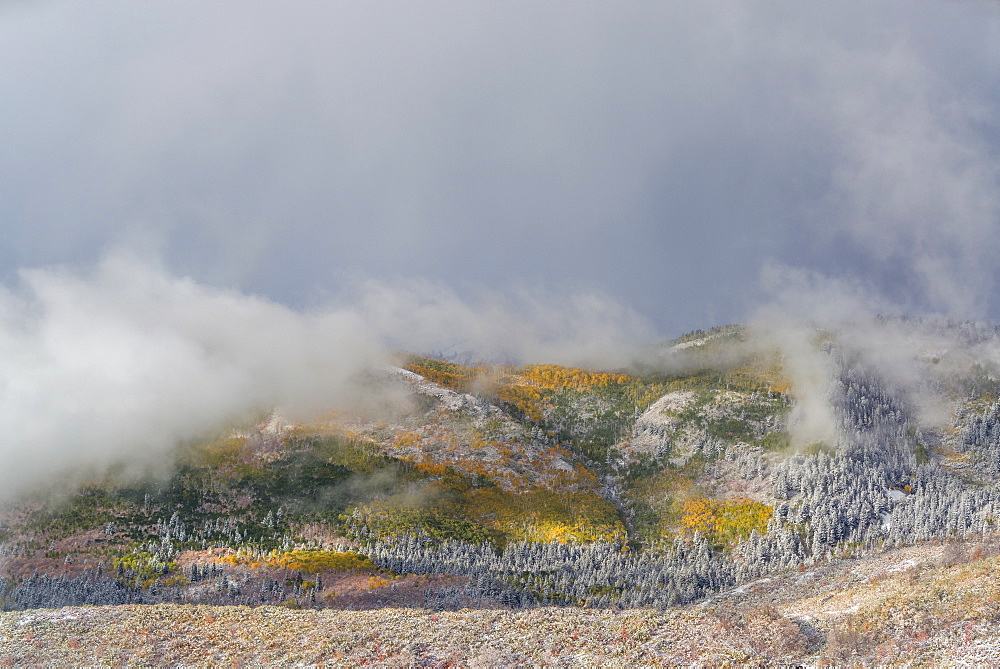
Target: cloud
{"x": 657, "y": 152}
{"x": 915, "y": 184}
{"x": 122, "y": 362}
{"x": 652, "y": 155}
{"x": 119, "y": 363}
{"x": 526, "y": 325}
{"x": 906, "y": 222}
{"x": 924, "y": 361}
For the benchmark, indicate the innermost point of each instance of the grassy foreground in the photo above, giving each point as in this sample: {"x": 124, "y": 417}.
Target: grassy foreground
{"x": 927, "y": 605}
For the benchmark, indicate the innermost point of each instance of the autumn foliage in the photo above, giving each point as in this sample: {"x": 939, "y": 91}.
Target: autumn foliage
{"x": 724, "y": 522}
{"x": 556, "y": 377}
{"x": 526, "y": 389}
{"x": 308, "y": 561}
{"x": 313, "y": 562}
{"x": 448, "y": 374}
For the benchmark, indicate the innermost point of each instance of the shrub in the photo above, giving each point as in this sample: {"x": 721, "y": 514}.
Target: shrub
{"x": 954, "y": 553}
{"x": 846, "y": 640}
{"x": 314, "y": 562}
{"x": 773, "y": 635}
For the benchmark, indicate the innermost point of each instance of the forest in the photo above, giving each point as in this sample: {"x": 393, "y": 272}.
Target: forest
{"x": 540, "y": 485}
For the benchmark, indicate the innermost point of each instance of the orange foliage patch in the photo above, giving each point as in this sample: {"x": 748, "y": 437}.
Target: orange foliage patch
{"x": 406, "y": 440}
{"x": 556, "y": 377}
{"x": 447, "y": 374}
{"x": 527, "y": 399}
{"x": 433, "y": 469}
{"x": 725, "y": 522}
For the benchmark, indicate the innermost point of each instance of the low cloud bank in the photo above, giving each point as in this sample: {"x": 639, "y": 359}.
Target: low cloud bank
{"x": 118, "y": 363}
{"x": 928, "y": 360}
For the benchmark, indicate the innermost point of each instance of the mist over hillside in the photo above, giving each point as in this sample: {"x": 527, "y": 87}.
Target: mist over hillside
{"x": 333, "y": 306}
{"x": 715, "y": 460}
{"x": 795, "y": 174}
{"x": 119, "y": 364}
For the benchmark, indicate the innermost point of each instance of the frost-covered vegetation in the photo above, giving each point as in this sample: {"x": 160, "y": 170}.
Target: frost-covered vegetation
{"x": 527, "y": 486}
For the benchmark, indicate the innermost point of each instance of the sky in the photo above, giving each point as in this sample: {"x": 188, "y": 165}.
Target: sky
{"x": 670, "y": 157}
{"x": 209, "y": 208}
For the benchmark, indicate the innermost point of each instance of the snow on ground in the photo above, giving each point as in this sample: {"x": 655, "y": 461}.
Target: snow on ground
{"x": 654, "y": 429}
{"x": 451, "y": 400}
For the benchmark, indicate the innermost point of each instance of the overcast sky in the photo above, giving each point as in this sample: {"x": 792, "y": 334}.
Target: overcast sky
{"x": 681, "y": 159}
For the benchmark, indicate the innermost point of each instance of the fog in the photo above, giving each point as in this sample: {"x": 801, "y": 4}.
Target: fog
{"x": 119, "y": 363}
{"x": 657, "y": 153}
{"x": 207, "y": 210}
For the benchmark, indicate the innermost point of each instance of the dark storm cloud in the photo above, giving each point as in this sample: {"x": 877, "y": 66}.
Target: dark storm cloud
{"x": 659, "y": 152}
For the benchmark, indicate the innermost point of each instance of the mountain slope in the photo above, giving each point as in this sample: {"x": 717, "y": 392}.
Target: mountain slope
{"x": 675, "y": 482}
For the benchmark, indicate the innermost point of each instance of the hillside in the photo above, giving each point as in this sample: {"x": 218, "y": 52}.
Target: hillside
{"x": 679, "y": 490}
{"x": 928, "y": 605}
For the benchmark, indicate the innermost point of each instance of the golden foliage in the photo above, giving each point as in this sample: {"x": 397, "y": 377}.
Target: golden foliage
{"x": 528, "y": 389}
{"x": 433, "y": 469}
{"x": 313, "y": 562}
{"x": 545, "y": 515}
{"x": 556, "y": 377}
{"x": 376, "y": 582}
{"x": 406, "y": 439}
{"x": 699, "y": 515}
{"x": 758, "y": 372}
{"x": 725, "y": 522}
{"x": 526, "y": 399}
{"x": 447, "y": 374}
{"x": 224, "y": 451}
